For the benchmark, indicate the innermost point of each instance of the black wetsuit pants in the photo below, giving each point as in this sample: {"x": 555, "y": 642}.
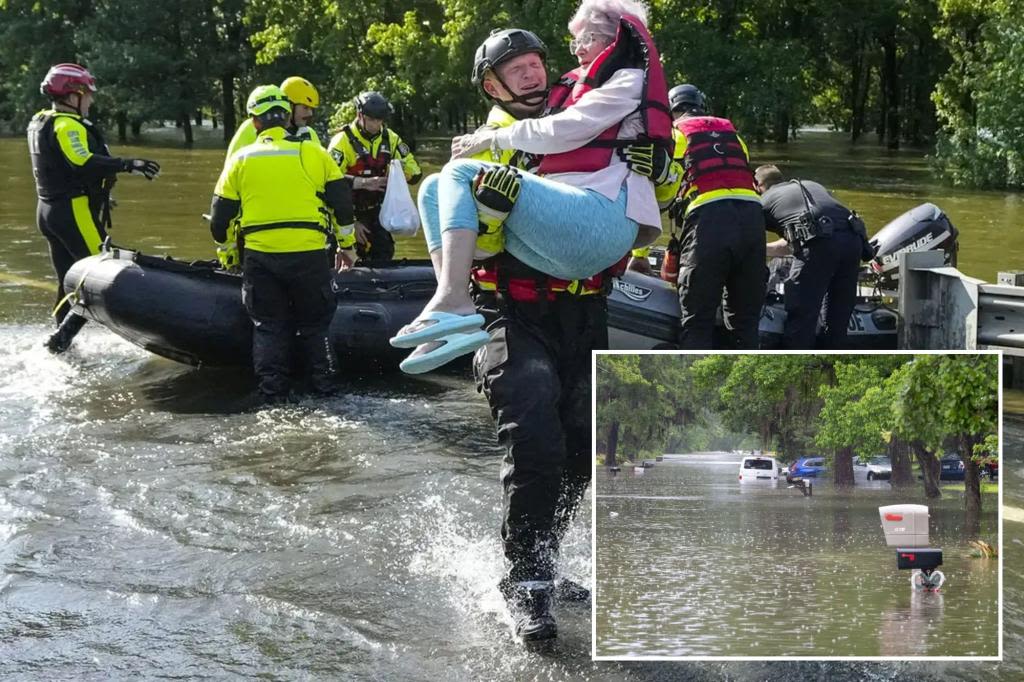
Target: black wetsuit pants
{"x": 536, "y": 374}
{"x": 824, "y": 270}
{"x": 723, "y": 246}
{"x": 381, "y": 245}
{"x": 289, "y": 297}
{"x": 73, "y": 230}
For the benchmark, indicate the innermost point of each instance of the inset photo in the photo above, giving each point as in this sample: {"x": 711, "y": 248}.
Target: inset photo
{"x": 797, "y": 506}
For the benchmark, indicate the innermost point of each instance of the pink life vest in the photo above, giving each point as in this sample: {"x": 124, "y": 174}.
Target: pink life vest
{"x": 633, "y": 47}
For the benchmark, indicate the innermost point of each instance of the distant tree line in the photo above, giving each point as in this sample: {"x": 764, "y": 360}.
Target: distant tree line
{"x": 921, "y": 72}
{"x": 843, "y": 406}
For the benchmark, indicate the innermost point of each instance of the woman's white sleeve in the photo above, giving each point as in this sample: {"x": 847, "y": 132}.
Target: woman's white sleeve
{"x": 595, "y": 112}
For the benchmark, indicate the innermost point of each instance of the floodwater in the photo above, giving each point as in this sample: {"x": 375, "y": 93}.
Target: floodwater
{"x": 163, "y": 217}
{"x": 691, "y": 562}
{"x": 154, "y": 523}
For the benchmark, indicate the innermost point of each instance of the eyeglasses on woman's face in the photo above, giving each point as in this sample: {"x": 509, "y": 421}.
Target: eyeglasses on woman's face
{"x": 585, "y": 41}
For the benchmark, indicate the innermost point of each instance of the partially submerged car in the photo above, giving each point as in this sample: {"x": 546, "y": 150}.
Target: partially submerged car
{"x": 807, "y": 467}
{"x": 951, "y": 468}
{"x": 879, "y": 468}
{"x": 758, "y": 468}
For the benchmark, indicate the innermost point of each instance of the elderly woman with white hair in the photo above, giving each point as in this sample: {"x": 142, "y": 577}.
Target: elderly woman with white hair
{"x": 583, "y": 212}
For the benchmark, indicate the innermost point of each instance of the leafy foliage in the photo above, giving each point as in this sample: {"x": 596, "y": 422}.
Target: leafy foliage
{"x": 980, "y": 100}
{"x": 770, "y": 65}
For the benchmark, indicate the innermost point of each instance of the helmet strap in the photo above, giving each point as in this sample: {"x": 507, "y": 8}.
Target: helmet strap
{"x": 76, "y": 107}
{"x": 363, "y": 131}
{"x": 269, "y": 119}
{"x": 533, "y": 100}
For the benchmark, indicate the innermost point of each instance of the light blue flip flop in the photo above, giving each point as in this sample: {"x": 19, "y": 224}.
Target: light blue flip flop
{"x": 452, "y": 346}
{"x": 441, "y": 325}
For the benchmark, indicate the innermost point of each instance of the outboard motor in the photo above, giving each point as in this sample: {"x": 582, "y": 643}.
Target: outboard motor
{"x": 925, "y": 228}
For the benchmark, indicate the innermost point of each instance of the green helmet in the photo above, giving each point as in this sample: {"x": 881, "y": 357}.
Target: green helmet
{"x": 267, "y": 97}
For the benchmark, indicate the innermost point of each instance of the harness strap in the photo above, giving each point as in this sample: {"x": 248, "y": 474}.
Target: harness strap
{"x": 249, "y": 229}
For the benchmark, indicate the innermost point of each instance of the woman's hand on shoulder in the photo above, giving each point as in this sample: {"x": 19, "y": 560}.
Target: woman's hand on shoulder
{"x": 465, "y": 146}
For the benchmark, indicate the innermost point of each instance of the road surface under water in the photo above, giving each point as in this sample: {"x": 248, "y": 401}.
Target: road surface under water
{"x": 692, "y": 562}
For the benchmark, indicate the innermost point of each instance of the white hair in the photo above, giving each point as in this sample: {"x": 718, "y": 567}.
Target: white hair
{"x": 602, "y": 16}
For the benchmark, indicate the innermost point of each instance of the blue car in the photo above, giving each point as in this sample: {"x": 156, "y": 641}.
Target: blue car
{"x": 952, "y": 468}
{"x": 807, "y": 467}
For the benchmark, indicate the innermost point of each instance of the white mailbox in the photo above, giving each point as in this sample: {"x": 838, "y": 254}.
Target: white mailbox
{"x": 905, "y": 525}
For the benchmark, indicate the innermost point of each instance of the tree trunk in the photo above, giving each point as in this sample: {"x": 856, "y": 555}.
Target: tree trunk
{"x": 122, "y": 127}
{"x": 856, "y": 82}
{"x": 930, "y": 469}
{"x": 892, "y": 91}
{"x": 902, "y": 470}
{"x": 199, "y": 118}
{"x": 136, "y": 126}
{"x": 972, "y": 486}
{"x": 186, "y": 124}
{"x": 781, "y": 132}
{"x": 865, "y": 95}
{"x": 613, "y": 445}
{"x": 227, "y": 91}
{"x": 882, "y": 89}
{"x": 842, "y": 471}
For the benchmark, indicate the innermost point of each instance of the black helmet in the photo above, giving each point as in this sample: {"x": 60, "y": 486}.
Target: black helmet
{"x": 687, "y": 98}
{"x": 501, "y": 46}
{"x": 374, "y": 105}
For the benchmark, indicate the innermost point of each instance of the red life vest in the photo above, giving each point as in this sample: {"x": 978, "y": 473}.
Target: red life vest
{"x": 714, "y": 157}
{"x": 521, "y": 283}
{"x": 634, "y": 48}
{"x": 367, "y": 165}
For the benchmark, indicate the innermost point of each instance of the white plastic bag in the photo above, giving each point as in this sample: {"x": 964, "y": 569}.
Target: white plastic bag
{"x": 398, "y": 213}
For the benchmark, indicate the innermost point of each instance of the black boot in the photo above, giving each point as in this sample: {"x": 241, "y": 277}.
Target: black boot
{"x": 323, "y": 365}
{"x": 61, "y": 339}
{"x": 570, "y": 591}
{"x": 529, "y": 603}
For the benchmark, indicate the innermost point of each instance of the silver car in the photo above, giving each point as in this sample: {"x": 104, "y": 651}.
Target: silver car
{"x": 879, "y": 469}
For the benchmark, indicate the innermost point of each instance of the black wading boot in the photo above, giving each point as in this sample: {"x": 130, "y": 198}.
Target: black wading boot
{"x": 61, "y": 339}
{"x": 529, "y": 604}
{"x": 569, "y": 591}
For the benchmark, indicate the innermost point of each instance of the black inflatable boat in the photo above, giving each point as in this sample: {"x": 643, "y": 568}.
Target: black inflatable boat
{"x": 192, "y": 312}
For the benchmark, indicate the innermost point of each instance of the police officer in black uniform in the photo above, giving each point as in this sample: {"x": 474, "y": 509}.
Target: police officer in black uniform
{"x": 74, "y": 173}
{"x": 827, "y": 241}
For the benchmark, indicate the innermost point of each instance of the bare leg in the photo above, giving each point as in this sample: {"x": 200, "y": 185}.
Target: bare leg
{"x": 435, "y": 260}
{"x": 452, "y": 296}
{"x": 452, "y": 263}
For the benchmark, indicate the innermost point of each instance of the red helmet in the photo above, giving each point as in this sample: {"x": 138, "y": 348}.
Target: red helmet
{"x": 64, "y": 79}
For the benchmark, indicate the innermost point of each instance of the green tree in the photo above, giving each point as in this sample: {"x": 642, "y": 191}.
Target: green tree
{"x": 957, "y": 396}
{"x": 980, "y": 99}
{"x": 33, "y": 37}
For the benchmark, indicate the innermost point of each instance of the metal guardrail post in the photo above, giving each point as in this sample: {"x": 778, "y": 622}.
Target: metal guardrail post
{"x": 1002, "y": 322}
{"x": 938, "y": 304}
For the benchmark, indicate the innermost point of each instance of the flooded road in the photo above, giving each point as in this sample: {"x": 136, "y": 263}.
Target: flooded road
{"x": 691, "y": 562}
